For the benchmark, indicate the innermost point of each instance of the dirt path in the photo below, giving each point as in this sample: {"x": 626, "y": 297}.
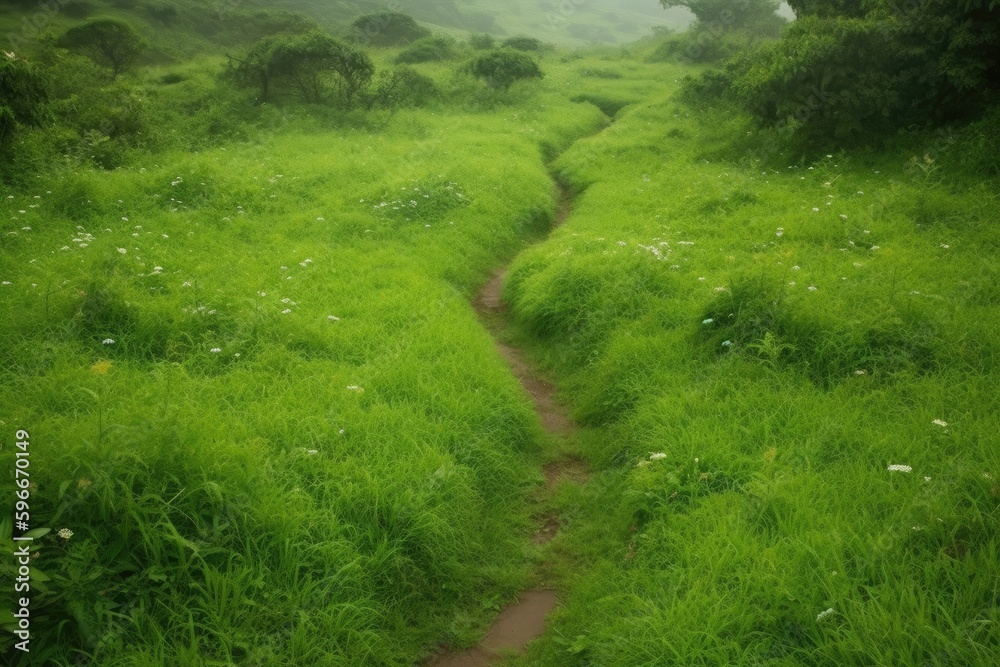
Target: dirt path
{"x": 524, "y": 620}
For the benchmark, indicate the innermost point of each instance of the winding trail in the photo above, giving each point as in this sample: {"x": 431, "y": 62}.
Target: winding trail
{"x": 524, "y": 620}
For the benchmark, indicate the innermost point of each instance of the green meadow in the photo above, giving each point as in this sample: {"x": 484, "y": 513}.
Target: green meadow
{"x": 267, "y": 427}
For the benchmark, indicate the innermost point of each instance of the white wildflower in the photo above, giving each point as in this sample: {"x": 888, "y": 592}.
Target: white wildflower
{"x": 899, "y": 468}
{"x": 657, "y": 456}
{"x": 215, "y": 350}
{"x": 823, "y": 614}
{"x": 108, "y": 341}
{"x": 122, "y": 251}
{"x": 65, "y": 533}
{"x": 940, "y": 422}
{"x": 708, "y": 321}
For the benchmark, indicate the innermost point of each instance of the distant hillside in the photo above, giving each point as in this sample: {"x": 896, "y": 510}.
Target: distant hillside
{"x": 602, "y": 21}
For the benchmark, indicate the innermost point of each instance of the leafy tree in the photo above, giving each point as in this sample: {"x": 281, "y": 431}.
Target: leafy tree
{"x": 23, "y": 94}
{"x": 427, "y": 49}
{"x": 504, "y": 67}
{"x": 387, "y": 29}
{"x": 317, "y": 67}
{"x": 740, "y": 14}
{"x": 522, "y": 43}
{"x": 829, "y": 8}
{"x": 836, "y": 79}
{"x": 482, "y": 42}
{"x": 111, "y": 43}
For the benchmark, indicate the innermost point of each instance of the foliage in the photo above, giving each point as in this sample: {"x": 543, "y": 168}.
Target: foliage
{"x": 315, "y": 66}
{"x": 402, "y": 87}
{"x": 109, "y": 42}
{"x": 502, "y": 68}
{"x": 837, "y": 81}
{"x": 482, "y": 41}
{"x": 427, "y": 49}
{"x": 23, "y": 94}
{"x": 387, "y": 29}
{"x": 522, "y": 43}
{"x": 721, "y": 15}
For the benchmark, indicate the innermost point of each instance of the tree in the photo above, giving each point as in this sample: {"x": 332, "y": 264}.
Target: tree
{"x": 23, "y": 95}
{"x": 851, "y": 71}
{"x": 730, "y": 14}
{"x": 111, "y": 43}
{"x": 387, "y": 29}
{"x": 502, "y": 68}
{"x": 317, "y": 67}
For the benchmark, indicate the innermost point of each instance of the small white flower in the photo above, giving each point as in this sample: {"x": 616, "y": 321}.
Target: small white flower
{"x": 642, "y": 464}
{"x": 6, "y": 282}
{"x": 861, "y": 371}
{"x": 727, "y": 343}
{"x": 945, "y": 246}
{"x": 333, "y": 318}
{"x": 286, "y": 311}
{"x": 708, "y": 321}
{"x": 185, "y": 284}
{"x": 122, "y": 251}
{"x": 875, "y": 247}
{"x": 843, "y": 217}
{"x": 312, "y": 452}
{"x": 940, "y": 422}
{"x": 815, "y": 210}
{"x": 927, "y": 479}
{"x": 657, "y": 456}
{"x": 356, "y": 388}
{"x": 108, "y": 341}
{"x": 65, "y": 533}
{"x": 899, "y": 468}
{"x": 215, "y": 350}
{"x": 823, "y": 614}
{"x": 813, "y": 288}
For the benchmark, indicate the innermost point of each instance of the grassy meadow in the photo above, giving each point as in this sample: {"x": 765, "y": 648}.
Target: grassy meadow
{"x": 790, "y": 370}
{"x": 267, "y": 428}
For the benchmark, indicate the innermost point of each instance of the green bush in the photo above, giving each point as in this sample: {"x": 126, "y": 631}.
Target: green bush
{"x": 482, "y": 41}
{"x": 23, "y": 95}
{"x": 387, "y": 29}
{"x": 522, "y": 43}
{"x": 314, "y": 66}
{"x": 111, "y": 43}
{"x": 845, "y": 80}
{"x": 502, "y": 68}
{"x": 402, "y": 87}
{"x": 427, "y": 49}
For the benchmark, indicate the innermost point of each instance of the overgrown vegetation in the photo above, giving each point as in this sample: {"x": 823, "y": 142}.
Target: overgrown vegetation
{"x": 266, "y": 428}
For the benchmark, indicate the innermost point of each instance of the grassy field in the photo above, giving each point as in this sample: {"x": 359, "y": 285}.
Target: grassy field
{"x": 790, "y": 370}
{"x": 268, "y": 429}
{"x": 258, "y": 396}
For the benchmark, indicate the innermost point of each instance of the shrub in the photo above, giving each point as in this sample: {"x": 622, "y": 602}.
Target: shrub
{"x": 482, "y": 42}
{"x": 111, "y": 43}
{"x": 23, "y": 94}
{"x": 163, "y": 12}
{"x": 317, "y": 67}
{"x": 502, "y": 68}
{"x": 522, "y": 43}
{"x": 427, "y": 49}
{"x": 387, "y": 29}
{"x": 402, "y": 87}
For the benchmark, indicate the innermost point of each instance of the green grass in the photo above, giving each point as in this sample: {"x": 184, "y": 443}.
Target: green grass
{"x": 783, "y": 334}
{"x": 300, "y": 446}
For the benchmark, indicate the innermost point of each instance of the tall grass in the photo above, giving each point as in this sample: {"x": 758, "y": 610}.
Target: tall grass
{"x": 262, "y": 404}
{"x": 778, "y": 336}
